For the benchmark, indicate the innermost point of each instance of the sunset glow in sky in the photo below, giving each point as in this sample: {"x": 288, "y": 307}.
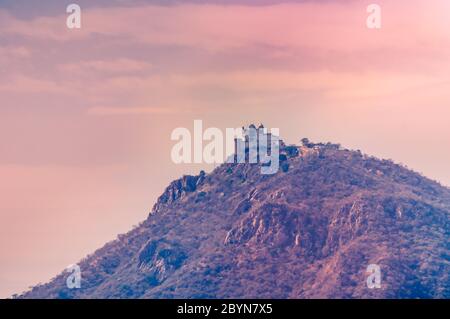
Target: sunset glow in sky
{"x": 86, "y": 115}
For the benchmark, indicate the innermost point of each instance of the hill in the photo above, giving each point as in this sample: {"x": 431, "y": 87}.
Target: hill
{"x": 309, "y": 231}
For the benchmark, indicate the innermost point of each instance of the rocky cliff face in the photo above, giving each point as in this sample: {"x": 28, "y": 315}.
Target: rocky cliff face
{"x": 308, "y": 231}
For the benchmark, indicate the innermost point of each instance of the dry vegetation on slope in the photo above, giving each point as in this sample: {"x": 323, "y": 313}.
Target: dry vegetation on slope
{"x": 308, "y": 231}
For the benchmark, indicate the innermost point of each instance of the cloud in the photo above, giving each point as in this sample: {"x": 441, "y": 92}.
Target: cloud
{"x": 116, "y": 66}
{"x": 15, "y": 52}
{"x": 411, "y": 35}
{"x": 101, "y": 110}
{"x": 219, "y": 27}
{"x": 26, "y": 84}
{"x": 265, "y": 82}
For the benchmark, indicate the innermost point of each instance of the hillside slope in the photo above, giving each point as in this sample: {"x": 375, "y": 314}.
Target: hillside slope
{"x": 308, "y": 231}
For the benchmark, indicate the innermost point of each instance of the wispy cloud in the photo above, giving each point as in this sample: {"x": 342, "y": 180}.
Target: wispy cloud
{"x": 115, "y": 66}
{"x": 105, "y": 111}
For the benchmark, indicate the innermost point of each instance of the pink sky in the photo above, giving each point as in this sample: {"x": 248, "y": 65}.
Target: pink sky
{"x": 86, "y": 115}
